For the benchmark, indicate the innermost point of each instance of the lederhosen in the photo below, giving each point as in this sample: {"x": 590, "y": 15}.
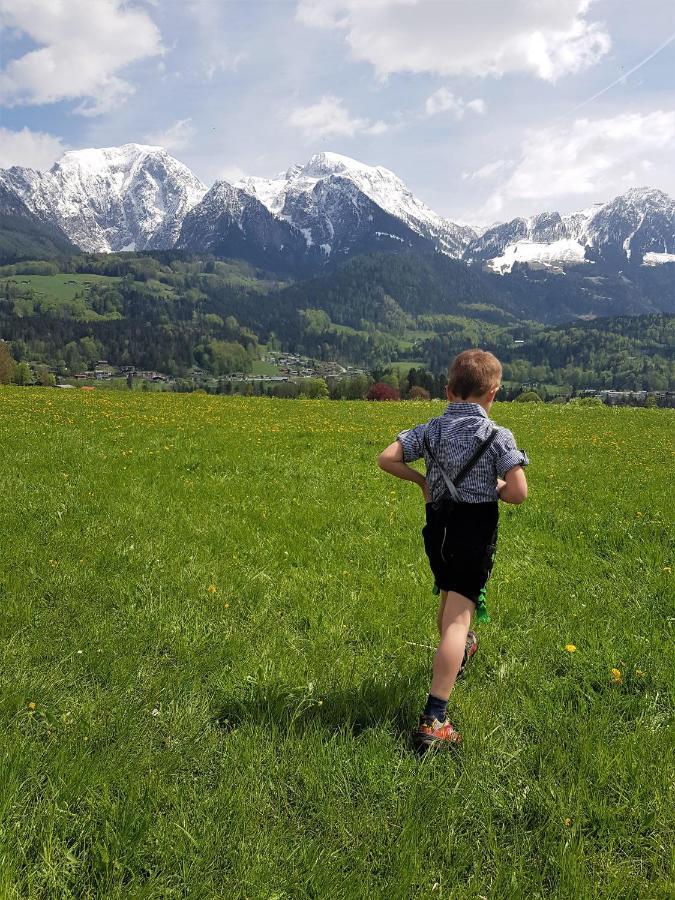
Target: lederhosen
{"x": 460, "y": 539}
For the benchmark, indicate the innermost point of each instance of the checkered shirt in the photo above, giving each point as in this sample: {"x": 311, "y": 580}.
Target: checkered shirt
{"x": 454, "y": 437}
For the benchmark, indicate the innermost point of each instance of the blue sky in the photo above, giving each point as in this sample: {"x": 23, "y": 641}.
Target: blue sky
{"x": 480, "y": 106}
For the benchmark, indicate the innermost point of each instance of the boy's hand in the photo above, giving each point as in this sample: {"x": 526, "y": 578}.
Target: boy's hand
{"x": 513, "y": 489}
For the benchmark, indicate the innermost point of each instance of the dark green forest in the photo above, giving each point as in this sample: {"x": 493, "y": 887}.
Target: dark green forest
{"x": 172, "y": 312}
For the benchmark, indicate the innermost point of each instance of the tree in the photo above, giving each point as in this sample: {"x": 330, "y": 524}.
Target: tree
{"x": 45, "y": 377}
{"x": 23, "y": 374}
{"x": 381, "y": 391}
{"x": 314, "y": 388}
{"x": 418, "y": 393}
{"x": 528, "y": 397}
{"x": 7, "y": 364}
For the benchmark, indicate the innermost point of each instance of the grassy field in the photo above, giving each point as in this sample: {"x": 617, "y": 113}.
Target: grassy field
{"x": 217, "y": 631}
{"x": 263, "y": 367}
{"x": 61, "y": 287}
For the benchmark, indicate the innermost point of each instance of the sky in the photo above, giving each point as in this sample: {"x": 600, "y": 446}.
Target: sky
{"x": 487, "y": 109}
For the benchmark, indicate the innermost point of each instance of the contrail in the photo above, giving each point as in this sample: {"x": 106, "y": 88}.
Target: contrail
{"x": 623, "y": 77}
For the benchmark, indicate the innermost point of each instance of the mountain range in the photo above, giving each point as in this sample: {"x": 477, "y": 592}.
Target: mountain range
{"x": 302, "y": 221}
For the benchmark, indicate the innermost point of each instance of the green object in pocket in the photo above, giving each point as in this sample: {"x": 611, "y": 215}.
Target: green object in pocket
{"x": 482, "y": 614}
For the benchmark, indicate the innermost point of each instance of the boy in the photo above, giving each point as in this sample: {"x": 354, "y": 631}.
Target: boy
{"x": 459, "y": 543}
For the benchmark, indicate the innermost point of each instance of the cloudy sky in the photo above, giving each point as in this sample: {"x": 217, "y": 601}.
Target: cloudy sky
{"x": 486, "y": 108}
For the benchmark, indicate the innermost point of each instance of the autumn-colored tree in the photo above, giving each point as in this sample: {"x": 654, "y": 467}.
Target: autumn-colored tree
{"x": 7, "y": 364}
{"x": 381, "y": 391}
{"x": 418, "y": 393}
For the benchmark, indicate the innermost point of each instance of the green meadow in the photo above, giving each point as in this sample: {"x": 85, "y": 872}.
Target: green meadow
{"x": 217, "y": 632}
{"x": 58, "y": 287}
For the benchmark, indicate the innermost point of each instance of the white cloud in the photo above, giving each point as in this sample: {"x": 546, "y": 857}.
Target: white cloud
{"x": 231, "y": 174}
{"x": 34, "y": 149}
{"x": 444, "y": 100}
{"x": 587, "y": 158}
{"x": 176, "y": 137}
{"x": 489, "y": 170}
{"x": 82, "y": 45}
{"x": 330, "y": 118}
{"x": 547, "y": 38}
{"x": 211, "y": 18}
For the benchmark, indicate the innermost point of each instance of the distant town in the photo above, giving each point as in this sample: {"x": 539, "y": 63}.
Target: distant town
{"x": 289, "y": 366}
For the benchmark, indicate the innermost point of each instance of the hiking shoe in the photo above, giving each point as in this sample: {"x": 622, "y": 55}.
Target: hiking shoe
{"x": 469, "y": 650}
{"x": 431, "y": 732}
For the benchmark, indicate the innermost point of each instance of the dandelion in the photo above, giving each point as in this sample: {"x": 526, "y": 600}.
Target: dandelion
{"x": 226, "y": 605}
{"x": 212, "y": 589}
{"x": 667, "y": 569}
{"x": 31, "y": 706}
{"x": 570, "y": 648}
{"x": 53, "y": 562}
{"x": 616, "y": 676}
{"x": 568, "y": 822}
{"x": 639, "y": 673}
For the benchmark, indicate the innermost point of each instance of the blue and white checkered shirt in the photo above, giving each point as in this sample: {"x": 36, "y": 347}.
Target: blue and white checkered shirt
{"x": 454, "y": 437}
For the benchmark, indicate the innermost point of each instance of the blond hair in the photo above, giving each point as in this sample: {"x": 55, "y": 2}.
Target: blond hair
{"x": 474, "y": 373}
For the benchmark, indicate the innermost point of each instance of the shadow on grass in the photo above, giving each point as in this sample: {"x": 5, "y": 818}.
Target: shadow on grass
{"x": 394, "y": 704}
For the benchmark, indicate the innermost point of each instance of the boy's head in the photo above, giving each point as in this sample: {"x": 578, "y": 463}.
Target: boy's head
{"x": 474, "y": 375}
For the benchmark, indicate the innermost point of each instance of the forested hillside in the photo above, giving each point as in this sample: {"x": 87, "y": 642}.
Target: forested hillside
{"x": 172, "y": 312}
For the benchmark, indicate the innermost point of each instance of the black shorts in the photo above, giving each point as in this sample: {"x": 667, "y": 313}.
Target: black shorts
{"x": 461, "y": 546}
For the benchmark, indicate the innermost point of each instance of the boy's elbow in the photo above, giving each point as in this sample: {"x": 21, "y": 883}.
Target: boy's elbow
{"x": 520, "y": 494}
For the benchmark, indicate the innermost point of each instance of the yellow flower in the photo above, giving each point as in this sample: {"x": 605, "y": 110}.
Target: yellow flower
{"x": 212, "y": 589}
{"x": 568, "y": 822}
{"x": 639, "y": 673}
{"x": 667, "y": 569}
{"x": 31, "y": 705}
{"x": 616, "y": 676}
{"x": 570, "y": 648}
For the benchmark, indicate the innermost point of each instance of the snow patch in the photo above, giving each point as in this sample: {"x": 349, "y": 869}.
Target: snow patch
{"x": 562, "y": 251}
{"x": 656, "y": 259}
{"x": 394, "y": 237}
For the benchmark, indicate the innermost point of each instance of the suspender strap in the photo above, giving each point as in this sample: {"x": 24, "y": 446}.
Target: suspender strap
{"x": 467, "y": 467}
{"x": 450, "y": 483}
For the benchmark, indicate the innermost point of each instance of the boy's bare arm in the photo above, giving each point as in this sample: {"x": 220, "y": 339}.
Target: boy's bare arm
{"x": 391, "y": 460}
{"x": 513, "y": 488}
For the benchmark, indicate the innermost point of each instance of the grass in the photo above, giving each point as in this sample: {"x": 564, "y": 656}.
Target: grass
{"x": 61, "y": 287}
{"x": 405, "y": 365}
{"x": 263, "y": 367}
{"x": 217, "y": 631}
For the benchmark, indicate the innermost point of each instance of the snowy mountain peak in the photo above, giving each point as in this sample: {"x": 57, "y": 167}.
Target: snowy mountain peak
{"x": 132, "y": 197}
{"x": 309, "y": 197}
{"x": 638, "y": 225}
{"x": 326, "y": 163}
{"x": 95, "y": 159}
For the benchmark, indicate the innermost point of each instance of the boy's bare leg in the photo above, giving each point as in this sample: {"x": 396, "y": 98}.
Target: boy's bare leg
{"x": 439, "y": 617}
{"x": 455, "y": 622}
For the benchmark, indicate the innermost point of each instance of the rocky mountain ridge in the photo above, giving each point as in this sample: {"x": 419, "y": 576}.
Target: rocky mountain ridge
{"x": 137, "y": 197}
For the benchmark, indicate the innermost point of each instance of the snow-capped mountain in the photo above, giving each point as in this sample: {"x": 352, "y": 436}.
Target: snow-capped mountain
{"x": 636, "y": 227}
{"x": 131, "y": 197}
{"x": 136, "y": 197}
{"x": 337, "y": 202}
{"x": 231, "y": 222}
